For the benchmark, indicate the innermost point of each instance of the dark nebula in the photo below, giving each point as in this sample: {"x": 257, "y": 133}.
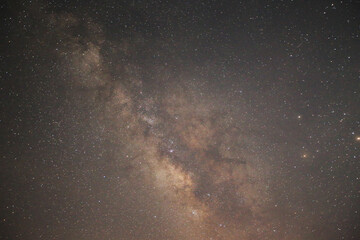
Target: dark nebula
{"x": 180, "y": 120}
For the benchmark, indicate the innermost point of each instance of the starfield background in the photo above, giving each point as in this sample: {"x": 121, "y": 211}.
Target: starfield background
{"x": 180, "y": 120}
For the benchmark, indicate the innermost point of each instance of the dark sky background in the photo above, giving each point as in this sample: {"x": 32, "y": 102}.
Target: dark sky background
{"x": 180, "y": 120}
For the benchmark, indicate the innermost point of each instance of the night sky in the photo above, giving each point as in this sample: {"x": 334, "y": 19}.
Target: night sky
{"x": 180, "y": 120}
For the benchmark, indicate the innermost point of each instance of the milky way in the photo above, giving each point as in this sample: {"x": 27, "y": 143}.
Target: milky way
{"x": 206, "y": 120}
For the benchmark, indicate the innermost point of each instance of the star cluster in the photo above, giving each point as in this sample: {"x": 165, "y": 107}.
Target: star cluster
{"x": 189, "y": 120}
